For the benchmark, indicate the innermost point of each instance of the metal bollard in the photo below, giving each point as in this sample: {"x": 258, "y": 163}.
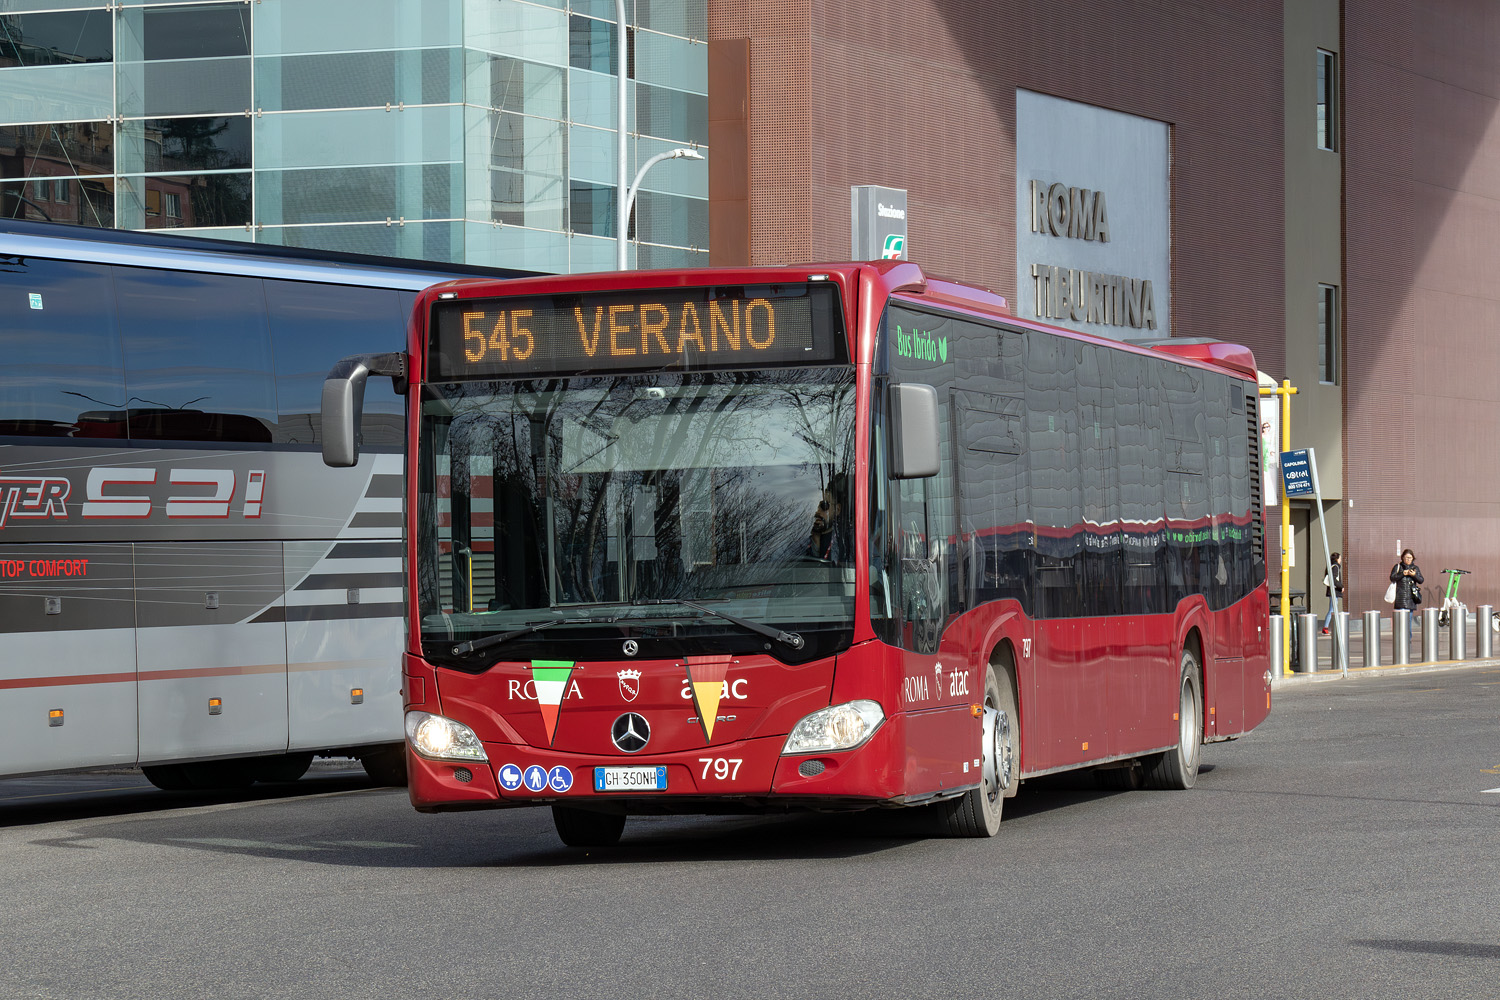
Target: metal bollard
{"x": 1341, "y": 642}
{"x": 1307, "y": 643}
{"x": 1484, "y": 635}
{"x": 1400, "y": 637}
{"x": 1372, "y": 638}
{"x": 1429, "y": 635}
{"x": 1458, "y": 631}
{"x": 1278, "y": 627}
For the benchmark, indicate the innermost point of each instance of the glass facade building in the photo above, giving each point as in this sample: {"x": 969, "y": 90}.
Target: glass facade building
{"x": 473, "y": 131}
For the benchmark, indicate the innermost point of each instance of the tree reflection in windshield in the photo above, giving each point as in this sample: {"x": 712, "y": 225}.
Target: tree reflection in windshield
{"x": 555, "y": 493}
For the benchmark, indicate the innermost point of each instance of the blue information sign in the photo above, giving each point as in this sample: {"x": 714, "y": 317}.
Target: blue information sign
{"x": 1296, "y": 473}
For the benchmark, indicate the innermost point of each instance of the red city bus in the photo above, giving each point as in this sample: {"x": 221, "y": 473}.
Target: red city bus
{"x": 828, "y": 537}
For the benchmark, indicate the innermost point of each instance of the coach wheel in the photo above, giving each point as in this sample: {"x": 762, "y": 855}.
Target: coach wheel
{"x": 167, "y": 777}
{"x": 1178, "y": 767}
{"x": 386, "y": 768}
{"x": 977, "y": 812}
{"x": 586, "y": 828}
{"x": 281, "y": 768}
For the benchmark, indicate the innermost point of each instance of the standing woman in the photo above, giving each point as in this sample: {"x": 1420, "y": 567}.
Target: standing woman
{"x": 1407, "y": 576}
{"x": 1333, "y": 583}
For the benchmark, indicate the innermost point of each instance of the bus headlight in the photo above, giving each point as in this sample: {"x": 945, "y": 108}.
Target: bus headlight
{"x": 442, "y": 739}
{"x": 839, "y": 727}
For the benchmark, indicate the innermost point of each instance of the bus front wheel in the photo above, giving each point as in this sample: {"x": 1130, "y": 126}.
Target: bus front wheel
{"x": 977, "y": 812}
{"x": 586, "y": 828}
{"x": 1178, "y": 767}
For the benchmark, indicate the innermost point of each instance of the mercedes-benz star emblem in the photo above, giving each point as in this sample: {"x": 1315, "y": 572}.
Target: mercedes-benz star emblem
{"x": 632, "y": 647}
{"x": 631, "y": 732}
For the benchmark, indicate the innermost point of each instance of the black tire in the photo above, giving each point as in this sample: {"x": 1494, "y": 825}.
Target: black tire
{"x": 1178, "y": 767}
{"x": 167, "y": 777}
{"x": 203, "y": 776}
{"x": 386, "y": 768}
{"x": 281, "y": 768}
{"x": 1119, "y": 779}
{"x": 978, "y": 811}
{"x": 586, "y": 828}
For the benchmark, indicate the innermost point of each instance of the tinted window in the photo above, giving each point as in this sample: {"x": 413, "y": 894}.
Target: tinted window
{"x": 62, "y": 373}
{"x": 58, "y": 39}
{"x": 313, "y": 326}
{"x": 1056, "y": 484}
{"x": 197, "y": 356}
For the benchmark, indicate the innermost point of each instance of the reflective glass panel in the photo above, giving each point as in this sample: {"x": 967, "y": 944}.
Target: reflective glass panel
{"x": 283, "y": 27}
{"x": 437, "y": 241}
{"x": 79, "y": 201}
{"x": 57, "y": 93}
{"x": 338, "y": 138}
{"x": 184, "y": 202}
{"x": 52, "y": 149}
{"x": 510, "y": 84}
{"x": 517, "y": 29}
{"x": 358, "y": 79}
{"x": 591, "y": 44}
{"x": 185, "y": 87}
{"x": 670, "y": 62}
{"x": 173, "y": 144}
{"x": 56, "y": 39}
{"x": 358, "y": 194}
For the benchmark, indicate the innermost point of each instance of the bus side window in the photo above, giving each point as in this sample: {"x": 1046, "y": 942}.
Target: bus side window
{"x": 197, "y": 356}
{"x": 313, "y": 326}
{"x": 63, "y": 375}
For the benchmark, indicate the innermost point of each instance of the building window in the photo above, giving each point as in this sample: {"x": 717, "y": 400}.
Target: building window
{"x": 1328, "y": 123}
{"x": 1328, "y": 334}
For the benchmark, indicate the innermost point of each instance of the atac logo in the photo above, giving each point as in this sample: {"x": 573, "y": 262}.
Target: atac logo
{"x": 630, "y": 683}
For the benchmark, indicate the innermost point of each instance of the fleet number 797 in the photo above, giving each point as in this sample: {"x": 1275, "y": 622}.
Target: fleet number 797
{"x": 724, "y": 768}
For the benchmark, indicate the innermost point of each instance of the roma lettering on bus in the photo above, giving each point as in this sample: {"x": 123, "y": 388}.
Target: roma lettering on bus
{"x": 526, "y": 690}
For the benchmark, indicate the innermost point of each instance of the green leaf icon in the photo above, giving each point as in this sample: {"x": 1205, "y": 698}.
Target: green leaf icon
{"x": 943, "y": 349}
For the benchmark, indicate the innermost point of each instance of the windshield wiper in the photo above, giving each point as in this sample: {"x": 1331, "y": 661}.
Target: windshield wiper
{"x": 475, "y": 645}
{"x": 790, "y": 638}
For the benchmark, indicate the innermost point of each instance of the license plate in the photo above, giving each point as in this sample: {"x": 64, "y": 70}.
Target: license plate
{"x": 630, "y": 779}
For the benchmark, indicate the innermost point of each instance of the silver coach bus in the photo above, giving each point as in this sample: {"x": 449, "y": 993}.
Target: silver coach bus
{"x": 183, "y": 584}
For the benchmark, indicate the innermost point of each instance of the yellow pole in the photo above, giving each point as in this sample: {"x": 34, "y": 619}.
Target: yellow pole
{"x": 1286, "y": 391}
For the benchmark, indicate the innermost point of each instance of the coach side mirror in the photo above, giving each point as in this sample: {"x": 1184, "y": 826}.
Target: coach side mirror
{"x": 344, "y": 403}
{"x": 914, "y": 431}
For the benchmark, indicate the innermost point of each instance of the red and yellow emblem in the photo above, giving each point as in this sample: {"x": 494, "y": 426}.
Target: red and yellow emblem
{"x": 706, "y": 678}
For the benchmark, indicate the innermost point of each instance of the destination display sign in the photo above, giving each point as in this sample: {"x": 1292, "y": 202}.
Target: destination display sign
{"x": 751, "y": 326}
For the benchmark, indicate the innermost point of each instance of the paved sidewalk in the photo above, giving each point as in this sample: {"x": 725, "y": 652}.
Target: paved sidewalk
{"x": 1355, "y": 673}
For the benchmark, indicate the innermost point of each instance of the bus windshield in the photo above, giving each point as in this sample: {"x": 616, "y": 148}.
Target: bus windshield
{"x": 596, "y": 500}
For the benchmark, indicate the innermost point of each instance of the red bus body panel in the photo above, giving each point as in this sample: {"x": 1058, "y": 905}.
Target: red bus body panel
{"x": 1089, "y": 690}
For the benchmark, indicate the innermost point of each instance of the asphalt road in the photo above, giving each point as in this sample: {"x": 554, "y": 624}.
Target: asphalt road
{"x": 1347, "y": 848}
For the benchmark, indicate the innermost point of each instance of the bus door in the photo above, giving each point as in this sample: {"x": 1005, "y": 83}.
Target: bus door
{"x": 212, "y": 679}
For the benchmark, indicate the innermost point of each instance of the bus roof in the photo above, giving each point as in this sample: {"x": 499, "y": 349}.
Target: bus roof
{"x": 889, "y": 277}
{"x": 194, "y": 253}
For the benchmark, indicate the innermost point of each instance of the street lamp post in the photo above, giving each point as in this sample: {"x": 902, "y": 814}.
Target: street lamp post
{"x": 628, "y": 200}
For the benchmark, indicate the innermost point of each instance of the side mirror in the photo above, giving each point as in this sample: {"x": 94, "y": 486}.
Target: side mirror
{"x": 344, "y": 402}
{"x": 914, "y": 431}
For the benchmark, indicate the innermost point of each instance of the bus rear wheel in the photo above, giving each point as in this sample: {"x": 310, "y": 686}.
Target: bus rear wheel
{"x": 204, "y": 776}
{"x": 1178, "y": 767}
{"x": 977, "y": 812}
{"x": 586, "y": 828}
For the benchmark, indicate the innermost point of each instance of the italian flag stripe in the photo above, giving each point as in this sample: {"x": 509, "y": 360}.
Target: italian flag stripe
{"x": 551, "y": 680}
